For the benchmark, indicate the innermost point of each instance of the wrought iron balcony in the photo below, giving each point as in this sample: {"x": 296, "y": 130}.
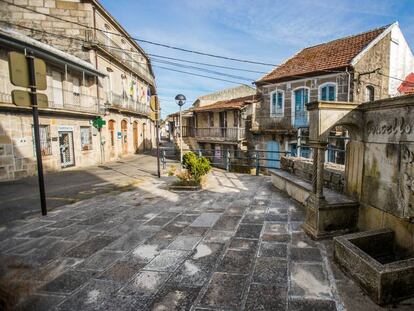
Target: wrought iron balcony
{"x": 215, "y": 133}
{"x": 60, "y": 99}
{"x": 128, "y": 58}
{"x": 127, "y": 103}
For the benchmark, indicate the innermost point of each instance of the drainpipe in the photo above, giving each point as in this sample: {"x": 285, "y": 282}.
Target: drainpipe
{"x": 349, "y": 83}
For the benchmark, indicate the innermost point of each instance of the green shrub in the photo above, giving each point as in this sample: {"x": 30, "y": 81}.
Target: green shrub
{"x": 171, "y": 171}
{"x": 196, "y": 166}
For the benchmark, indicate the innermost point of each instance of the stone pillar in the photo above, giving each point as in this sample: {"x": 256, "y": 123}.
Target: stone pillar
{"x": 320, "y": 167}
{"x": 319, "y": 149}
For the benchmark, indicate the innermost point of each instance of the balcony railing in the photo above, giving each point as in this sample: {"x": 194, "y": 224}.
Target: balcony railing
{"x": 215, "y": 133}
{"x": 127, "y": 103}
{"x": 60, "y": 99}
{"x": 301, "y": 119}
{"x": 130, "y": 59}
{"x": 69, "y": 100}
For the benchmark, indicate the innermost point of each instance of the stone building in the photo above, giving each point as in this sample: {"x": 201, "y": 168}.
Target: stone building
{"x": 216, "y": 123}
{"x": 352, "y": 69}
{"x": 119, "y": 90}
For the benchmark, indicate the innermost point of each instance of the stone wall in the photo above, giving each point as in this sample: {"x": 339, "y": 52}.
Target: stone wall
{"x": 75, "y": 11}
{"x": 334, "y": 177}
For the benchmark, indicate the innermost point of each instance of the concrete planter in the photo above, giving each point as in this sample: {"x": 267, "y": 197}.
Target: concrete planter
{"x": 373, "y": 260}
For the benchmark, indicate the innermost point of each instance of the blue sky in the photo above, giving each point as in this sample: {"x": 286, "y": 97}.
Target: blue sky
{"x": 261, "y": 30}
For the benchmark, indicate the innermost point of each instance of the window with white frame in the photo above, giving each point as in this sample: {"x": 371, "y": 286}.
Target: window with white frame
{"x": 86, "y": 138}
{"x": 45, "y": 141}
{"x": 277, "y": 103}
{"x": 327, "y": 92}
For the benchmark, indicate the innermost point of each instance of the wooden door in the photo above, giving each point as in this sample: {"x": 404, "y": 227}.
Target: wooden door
{"x": 124, "y": 136}
{"x": 135, "y": 136}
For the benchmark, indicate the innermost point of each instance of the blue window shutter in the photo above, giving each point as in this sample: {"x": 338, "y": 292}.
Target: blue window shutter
{"x": 280, "y": 102}
{"x": 331, "y": 93}
{"x": 323, "y": 93}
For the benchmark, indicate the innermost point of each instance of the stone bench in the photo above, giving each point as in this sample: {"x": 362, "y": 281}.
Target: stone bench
{"x": 339, "y": 214}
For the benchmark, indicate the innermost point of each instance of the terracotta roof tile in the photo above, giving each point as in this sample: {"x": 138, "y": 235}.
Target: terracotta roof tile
{"x": 235, "y": 103}
{"x": 335, "y": 54}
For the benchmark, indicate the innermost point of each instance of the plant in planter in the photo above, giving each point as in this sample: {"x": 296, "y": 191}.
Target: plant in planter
{"x": 195, "y": 168}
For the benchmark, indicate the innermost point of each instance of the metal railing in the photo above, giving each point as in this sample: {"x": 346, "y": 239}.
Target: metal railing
{"x": 301, "y": 119}
{"x": 231, "y": 159}
{"x": 126, "y": 102}
{"x": 217, "y": 133}
{"x": 68, "y": 100}
{"x": 61, "y": 99}
{"x": 122, "y": 55}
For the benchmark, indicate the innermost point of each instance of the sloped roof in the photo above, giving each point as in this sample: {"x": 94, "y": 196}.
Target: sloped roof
{"x": 336, "y": 54}
{"x": 235, "y": 103}
{"x": 407, "y": 86}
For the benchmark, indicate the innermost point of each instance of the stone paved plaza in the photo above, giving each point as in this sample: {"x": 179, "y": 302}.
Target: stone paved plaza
{"x": 237, "y": 245}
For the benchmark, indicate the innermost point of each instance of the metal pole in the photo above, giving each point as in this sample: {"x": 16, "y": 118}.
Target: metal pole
{"x": 228, "y": 161}
{"x": 164, "y": 162}
{"x": 33, "y": 98}
{"x": 181, "y": 139}
{"x": 157, "y": 124}
{"x": 257, "y": 163}
{"x": 101, "y": 145}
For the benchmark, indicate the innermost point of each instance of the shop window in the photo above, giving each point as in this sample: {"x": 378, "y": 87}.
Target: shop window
{"x": 86, "y": 138}
{"x": 45, "y": 141}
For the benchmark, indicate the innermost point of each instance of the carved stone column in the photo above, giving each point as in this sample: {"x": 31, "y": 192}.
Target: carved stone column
{"x": 320, "y": 167}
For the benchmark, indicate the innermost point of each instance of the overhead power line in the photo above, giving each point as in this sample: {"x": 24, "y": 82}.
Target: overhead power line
{"x": 196, "y": 74}
{"x": 204, "y": 64}
{"x": 142, "y": 40}
{"x": 166, "y": 68}
{"x": 127, "y": 52}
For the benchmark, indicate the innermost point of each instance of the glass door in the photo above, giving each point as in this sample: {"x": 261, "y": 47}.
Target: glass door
{"x": 66, "y": 149}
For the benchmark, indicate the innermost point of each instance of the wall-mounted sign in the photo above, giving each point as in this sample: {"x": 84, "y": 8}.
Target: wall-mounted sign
{"x": 22, "y": 99}
{"x": 119, "y": 135}
{"x": 19, "y": 71}
{"x": 65, "y": 128}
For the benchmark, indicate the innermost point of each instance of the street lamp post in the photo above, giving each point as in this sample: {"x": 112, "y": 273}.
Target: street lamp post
{"x": 180, "y": 100}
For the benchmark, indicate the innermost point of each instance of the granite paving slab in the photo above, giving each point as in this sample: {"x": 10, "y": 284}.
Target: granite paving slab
{"x": 90, "y": 247}
{"x": 206, "y": 220}
{"x": 273, "y": 271}
{"x": 167, "y": 260}
{"x": 224, "y": 291}
{"x": 237, "y": 245}
{"x": 67, "y": 282}
{"x": 90, "y": 297}
{"x": 266, "y": 298}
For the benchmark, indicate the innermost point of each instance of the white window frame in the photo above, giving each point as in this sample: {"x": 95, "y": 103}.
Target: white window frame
{"x": 292, "y": 102}
{"x": 276, "y": 114}
{"x": 328, "y": 84}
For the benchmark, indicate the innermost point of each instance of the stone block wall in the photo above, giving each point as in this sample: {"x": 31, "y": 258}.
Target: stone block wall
{"x": 334, "y": 176}
{"x": 75, "y": 11}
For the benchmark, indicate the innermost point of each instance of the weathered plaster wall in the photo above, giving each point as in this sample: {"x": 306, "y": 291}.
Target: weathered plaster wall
{"x": 386, "y": 183}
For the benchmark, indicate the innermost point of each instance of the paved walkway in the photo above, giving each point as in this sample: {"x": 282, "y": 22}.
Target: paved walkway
{"x": 21, "y": 198}
{"x": 237, "y": 245}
